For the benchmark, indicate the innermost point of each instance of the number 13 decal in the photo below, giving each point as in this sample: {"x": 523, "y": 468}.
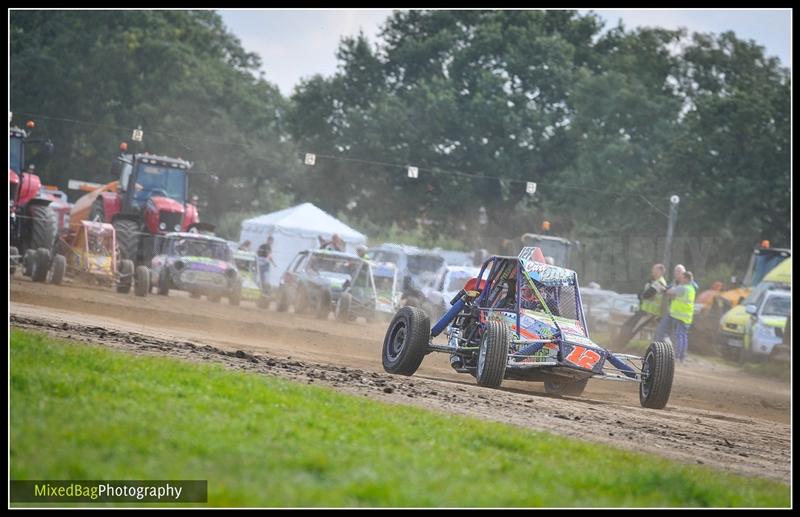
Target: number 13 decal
{"x": 583, "y": 357}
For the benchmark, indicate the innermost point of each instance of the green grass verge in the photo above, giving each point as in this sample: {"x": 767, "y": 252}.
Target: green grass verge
{"x": 83, "y": 412}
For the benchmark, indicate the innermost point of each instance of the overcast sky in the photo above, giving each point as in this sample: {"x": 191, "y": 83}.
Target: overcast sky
{"x": 299, "y": 44}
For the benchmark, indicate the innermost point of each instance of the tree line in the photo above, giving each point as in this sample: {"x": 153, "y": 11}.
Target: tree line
{"x": 609, "y": 122}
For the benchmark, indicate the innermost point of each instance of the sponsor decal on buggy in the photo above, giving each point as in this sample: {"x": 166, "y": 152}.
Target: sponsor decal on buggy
{"x": 587, "y": 358}
{"x": 547, "y": 353}
{"x": 547, "y": 274}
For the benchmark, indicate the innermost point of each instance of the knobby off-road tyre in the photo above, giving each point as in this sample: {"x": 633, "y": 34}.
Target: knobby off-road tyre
{"x": 58, "y": 269}
{"x": 98, "y": 211}
{"x": 41, "y": 265}
{"x": 406, "y": 341}
{"x": 44, "y": 227}
{"x": 126, "y": 272}
{"x": 493, "y": 355}
{"x": 343, "y": 307}
{"x": 127, "y": 238}
{"x": 571, "y": 389}
{"x": 658, "y": 368}
{"x": 141, "y": 281}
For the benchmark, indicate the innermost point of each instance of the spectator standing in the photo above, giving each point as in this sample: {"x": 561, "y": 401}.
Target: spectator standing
{"x": 650, "y": 305}
{"x": 681, "y": 313}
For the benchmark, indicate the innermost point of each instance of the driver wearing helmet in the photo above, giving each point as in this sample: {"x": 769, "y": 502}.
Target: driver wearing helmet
{"x": 361, "y": 251}
{"x": 528, "y": 299}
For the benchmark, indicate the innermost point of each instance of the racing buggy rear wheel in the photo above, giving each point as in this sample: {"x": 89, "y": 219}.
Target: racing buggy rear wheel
{"x": 126, "y": 272}
{"x": 406, "y": 341}
{"x": 141, "y": 281}
{"x": 658, "y": 368}
{"x": 493, "y": 355}
{"x": 571, "y": 389}
{"x": 41, "y": 265}
{"x": 58, "y": 269}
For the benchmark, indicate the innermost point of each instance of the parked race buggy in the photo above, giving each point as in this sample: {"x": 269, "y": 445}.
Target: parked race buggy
{"x": 320, "y": 281}
{"x": 250, "y": 271}
{"x": 198, "y": 263}
{"x": 89, "y": 252}
{"x": 522, "y": 319}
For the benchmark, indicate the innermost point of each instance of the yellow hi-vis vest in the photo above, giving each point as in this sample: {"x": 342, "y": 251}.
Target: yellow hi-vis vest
{"x": 682, "y": 308}
{"x": 653, "y": 305}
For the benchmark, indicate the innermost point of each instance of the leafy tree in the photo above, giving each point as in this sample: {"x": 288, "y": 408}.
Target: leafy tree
{"x": 178, "y": 74}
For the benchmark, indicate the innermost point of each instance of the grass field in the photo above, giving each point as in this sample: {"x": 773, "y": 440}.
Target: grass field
{"x": 83, "y": 412}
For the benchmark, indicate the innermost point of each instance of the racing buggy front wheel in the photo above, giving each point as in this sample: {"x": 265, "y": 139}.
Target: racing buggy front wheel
{"x": 493, "y": 355}
{"x": 141, "y": 281}
{"x": 406, "y": 341}
{"x": 41, "y": 265}
{"x": 658, "y": 368}
{"x": 59, "y": 267}
{"x": 571, "y": 389}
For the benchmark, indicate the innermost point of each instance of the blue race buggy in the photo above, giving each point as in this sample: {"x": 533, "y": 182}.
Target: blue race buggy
{"x": 522, "y": 319}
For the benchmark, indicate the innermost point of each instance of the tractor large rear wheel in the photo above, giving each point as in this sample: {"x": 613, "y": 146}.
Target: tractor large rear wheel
{"x": 127, "y": 239}
{"x": 98, "y": 212}
{"x": 44, "y": 227}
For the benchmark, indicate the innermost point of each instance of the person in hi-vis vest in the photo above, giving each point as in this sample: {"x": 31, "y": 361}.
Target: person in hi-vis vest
{"x": 650, "y": 300}
{"x": 681, "y": 312}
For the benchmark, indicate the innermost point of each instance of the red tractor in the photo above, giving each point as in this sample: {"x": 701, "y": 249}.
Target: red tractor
{"x": 149, "y": 200}
{"x": 34, "y": 212}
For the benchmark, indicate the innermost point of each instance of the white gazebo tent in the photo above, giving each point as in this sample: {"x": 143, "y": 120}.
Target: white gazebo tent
{"x": 293, "y": 230}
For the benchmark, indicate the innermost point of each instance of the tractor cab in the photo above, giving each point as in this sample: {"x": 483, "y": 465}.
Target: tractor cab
{"x": 143, "y": 176}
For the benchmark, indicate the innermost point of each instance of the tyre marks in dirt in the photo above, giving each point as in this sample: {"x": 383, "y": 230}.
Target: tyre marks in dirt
{"x": 736, "y": 444}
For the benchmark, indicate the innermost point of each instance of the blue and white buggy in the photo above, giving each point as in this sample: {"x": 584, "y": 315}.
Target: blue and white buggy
{"x": 523, "y": 319}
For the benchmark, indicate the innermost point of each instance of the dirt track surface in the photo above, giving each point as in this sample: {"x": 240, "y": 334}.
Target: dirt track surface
{"x": 717, "y": 415}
